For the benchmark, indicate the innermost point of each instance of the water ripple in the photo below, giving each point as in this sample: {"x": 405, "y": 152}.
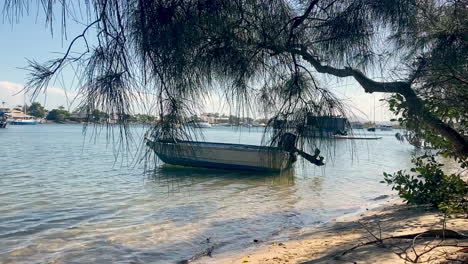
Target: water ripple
{"x": 66, "y": 200}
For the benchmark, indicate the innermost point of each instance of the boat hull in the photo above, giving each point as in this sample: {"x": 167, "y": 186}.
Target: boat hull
{"x": 19, "y": 123}
{"x": 222, "y": 156}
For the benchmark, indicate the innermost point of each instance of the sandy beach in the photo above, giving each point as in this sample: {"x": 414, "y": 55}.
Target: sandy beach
{"x": 352, "y": 239}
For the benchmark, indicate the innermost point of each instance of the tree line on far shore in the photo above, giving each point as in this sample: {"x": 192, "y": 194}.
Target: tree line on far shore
{"x": 61, "y": 115}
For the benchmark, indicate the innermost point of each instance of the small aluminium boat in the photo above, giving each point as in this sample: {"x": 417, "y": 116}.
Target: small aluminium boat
{"x": 222, "y": 155}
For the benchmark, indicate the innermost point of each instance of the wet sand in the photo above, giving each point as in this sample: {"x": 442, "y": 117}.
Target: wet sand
{"x": 327, "y": 244}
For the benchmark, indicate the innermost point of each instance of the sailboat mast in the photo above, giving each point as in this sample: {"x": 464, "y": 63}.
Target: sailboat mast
{"x": 373, "y": 96}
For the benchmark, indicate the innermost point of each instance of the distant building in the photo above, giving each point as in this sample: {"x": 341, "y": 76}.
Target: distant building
{"x": 222, "y": 120}
{"x": 208, "y": 118}
{"x": 214, "y": 119}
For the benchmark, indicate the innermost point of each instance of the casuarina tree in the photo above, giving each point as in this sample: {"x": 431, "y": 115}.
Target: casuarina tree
{"x": 269, "y": 55}
{"x": 37, "y": 110}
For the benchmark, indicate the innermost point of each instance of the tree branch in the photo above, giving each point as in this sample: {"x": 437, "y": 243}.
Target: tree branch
{"x": 299, "y": 20}
{"x": 415, "y": 104}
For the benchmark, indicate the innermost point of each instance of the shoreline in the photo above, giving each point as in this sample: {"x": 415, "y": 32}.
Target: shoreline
{"x": 326, "y": 242}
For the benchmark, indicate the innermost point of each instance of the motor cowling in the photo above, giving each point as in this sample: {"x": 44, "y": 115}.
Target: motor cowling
{"x": 288, "y": 142}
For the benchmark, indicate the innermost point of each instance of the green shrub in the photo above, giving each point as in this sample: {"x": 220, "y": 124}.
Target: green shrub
{"x": 58, "y": 115}
{"x": 428, "y": 184}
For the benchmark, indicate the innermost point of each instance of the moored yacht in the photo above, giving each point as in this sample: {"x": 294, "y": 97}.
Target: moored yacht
{"x": 16, "y": 117}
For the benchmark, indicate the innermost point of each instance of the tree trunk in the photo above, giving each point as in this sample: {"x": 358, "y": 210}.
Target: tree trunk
{"x": 415, "y": 104}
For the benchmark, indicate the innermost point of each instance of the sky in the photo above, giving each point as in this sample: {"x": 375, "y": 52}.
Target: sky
{"x": 30, "y": 39}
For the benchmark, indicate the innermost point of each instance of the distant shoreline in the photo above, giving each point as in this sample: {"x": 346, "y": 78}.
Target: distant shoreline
{"x": 70, "y": 122}
{"x": 50, "y": 122}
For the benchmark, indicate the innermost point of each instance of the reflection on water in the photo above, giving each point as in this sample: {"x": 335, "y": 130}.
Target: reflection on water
{"x": 176, "y": 178}
{"x": 66, "y": 200}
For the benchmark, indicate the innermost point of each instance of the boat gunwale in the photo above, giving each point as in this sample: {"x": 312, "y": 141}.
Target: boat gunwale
{"x": 220, "y": 145}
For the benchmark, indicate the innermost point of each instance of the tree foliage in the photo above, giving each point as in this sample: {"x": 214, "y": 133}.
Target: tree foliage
{"x": 268, "y": 55}
{"x": 144, "y": 119}
{"x": 98, "y": 116}
{"x": 440, "y": 77}
{"x": 58, "y": 115}
{"x": 37, "y": 110}
{"x": 427, "y": 183}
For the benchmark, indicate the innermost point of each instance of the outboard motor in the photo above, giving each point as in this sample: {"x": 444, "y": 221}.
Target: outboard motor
{"x": 288, "y": 142}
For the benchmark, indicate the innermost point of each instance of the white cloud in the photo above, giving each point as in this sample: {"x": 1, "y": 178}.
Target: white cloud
{"x": 10, "y": 93}
{"x": 11, "y": 87}
{"x": 13, "y": 94}
{"x": 361, "y": 104}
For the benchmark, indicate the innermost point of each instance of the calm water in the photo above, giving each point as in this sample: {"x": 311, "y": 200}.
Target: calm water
{"x": 67, "y": 199}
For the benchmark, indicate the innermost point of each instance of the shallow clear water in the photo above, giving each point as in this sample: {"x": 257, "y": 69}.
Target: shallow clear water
{"x": 67, "y": 199}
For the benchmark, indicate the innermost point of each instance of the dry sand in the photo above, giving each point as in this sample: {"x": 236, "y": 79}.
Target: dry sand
{"x": 327, "y": 244}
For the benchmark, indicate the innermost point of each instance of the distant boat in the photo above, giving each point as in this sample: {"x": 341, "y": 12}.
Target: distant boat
{"x": 372, "y": 128}
{"x": 386, "y": 128}
{"x": 318, "y": 126}
{"x": 222, "y": 155}
{"x": 354, "y": 137}
{"x": 200, "y": 124}
{"x": 24, "y": 122}
{"x": 17, "y": 117}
